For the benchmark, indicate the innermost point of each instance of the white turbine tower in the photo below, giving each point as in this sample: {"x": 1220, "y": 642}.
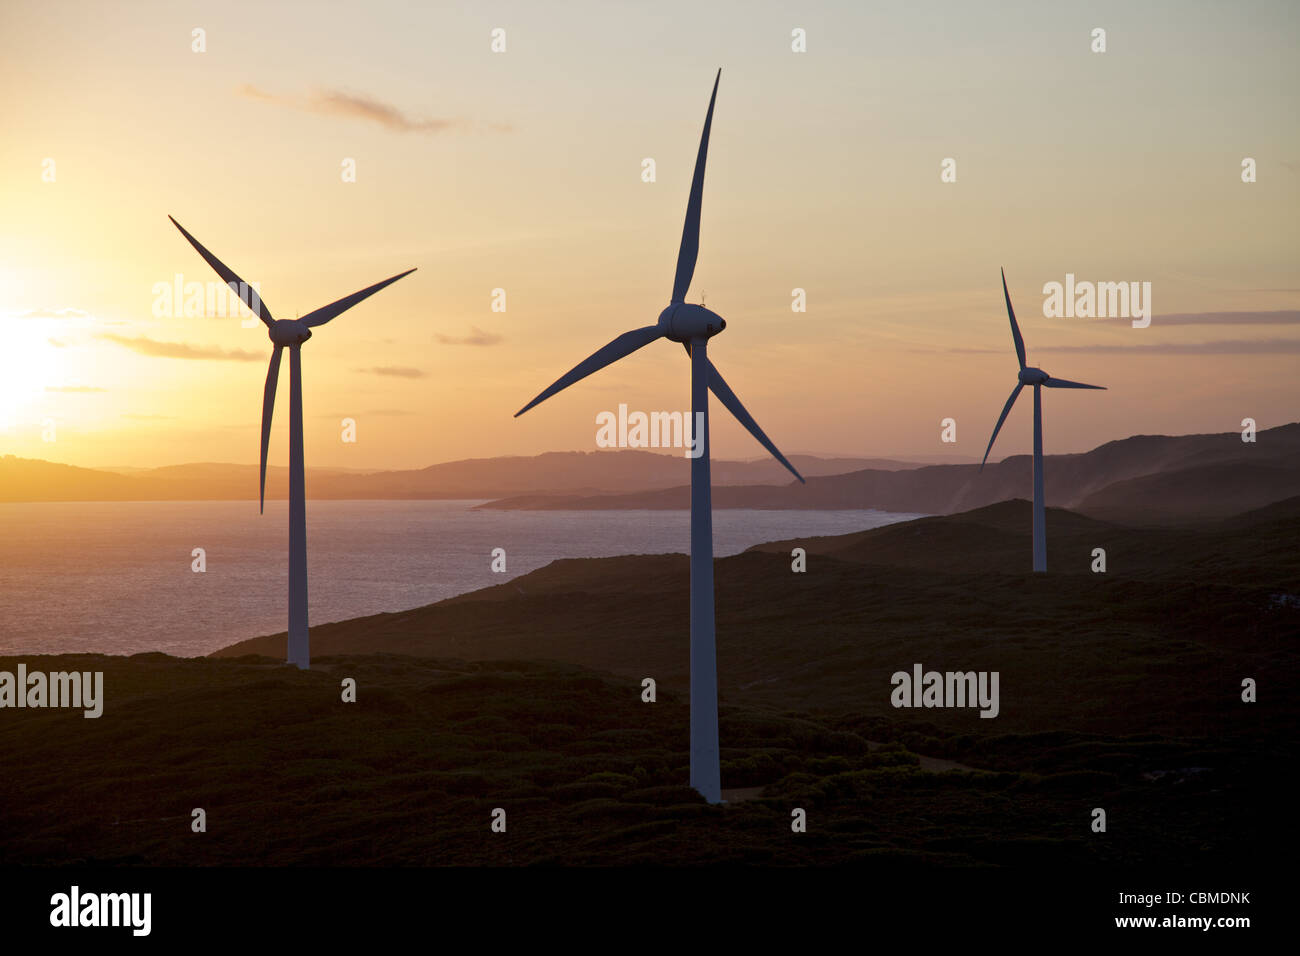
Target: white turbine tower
{"x": 693, "y": 326}
{"x": 291, "y": 333}
{"x": 1037, "y": 378}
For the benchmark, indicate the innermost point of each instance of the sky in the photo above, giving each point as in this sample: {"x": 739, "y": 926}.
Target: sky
{"x": 522, "y": 171}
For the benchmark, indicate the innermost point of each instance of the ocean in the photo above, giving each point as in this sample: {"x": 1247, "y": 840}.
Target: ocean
{"x": 117, "y": 578}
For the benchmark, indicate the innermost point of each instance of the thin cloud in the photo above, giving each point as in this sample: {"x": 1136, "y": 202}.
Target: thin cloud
{"x": 375, "y": 412}
{"x": 1278, "y": 317}
{"x": 147, "y": 346}
{"x": 476, "y": 337}
{"x": 147, "y": 418}
{"x": 1248, "y": 291}
{"x": 73, "y": 388}
{"x": 393, "y": 371}
{"x": 54, "y": 314}
{"x": 327, "y": 102}
{"x": 1221, "y": 347}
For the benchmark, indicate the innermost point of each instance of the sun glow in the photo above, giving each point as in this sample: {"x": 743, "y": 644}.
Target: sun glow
{"x": 27, "y": 364}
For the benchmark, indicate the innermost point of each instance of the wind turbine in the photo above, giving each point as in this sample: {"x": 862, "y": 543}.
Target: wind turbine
{"x": 693, "y": 326}
{"x": 1037, "y": 378}
{"x": 291, "y": 333}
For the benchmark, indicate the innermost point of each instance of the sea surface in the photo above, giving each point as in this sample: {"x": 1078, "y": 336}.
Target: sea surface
{"x": 117, "y": 577}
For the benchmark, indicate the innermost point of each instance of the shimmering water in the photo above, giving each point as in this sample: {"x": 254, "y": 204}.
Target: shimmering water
{"x": 116, "y": 578}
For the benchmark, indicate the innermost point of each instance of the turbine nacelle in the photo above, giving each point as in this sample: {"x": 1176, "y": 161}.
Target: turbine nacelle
{"x": 288, "y": 332}
{"x": 1037, "y": 379}
{"x": 693, "y": 326}
{"x": 291, "y": 333}
{"x": 684, "y": 322}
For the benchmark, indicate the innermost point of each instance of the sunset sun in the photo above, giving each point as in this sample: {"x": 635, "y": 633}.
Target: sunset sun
{"x": 27, "y": 363}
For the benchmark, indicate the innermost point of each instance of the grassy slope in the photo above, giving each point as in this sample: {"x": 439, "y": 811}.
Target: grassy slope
{"x": 1178, "y": 614}
{"x": 1118, "y": 690}
{"x": 410, "y": 774}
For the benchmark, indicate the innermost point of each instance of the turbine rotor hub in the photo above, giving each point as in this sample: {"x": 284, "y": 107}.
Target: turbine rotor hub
{"x": 1033, "y": 376}
{"x": 288, "y": 332}
{"x": 684, "y": 322}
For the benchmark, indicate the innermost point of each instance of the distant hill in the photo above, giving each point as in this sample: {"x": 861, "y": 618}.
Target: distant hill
{"x": 1277, "y": 511}
{"x": 1146, "y": 479}
{"x": 25, "y": 479}
{"x": 30, "y": 479}
{"x": 1206, "y": 491}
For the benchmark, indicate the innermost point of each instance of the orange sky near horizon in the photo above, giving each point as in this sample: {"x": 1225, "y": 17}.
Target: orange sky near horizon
{"x": 521, "y": 171}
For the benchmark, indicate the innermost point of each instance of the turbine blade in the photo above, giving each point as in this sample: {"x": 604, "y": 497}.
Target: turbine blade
{"x": 1015, "y": 329}
{"x": 1062, "y": 383}
{"x": 1006, "y": 410}
{"x": 690, "y": 247}
{"x": 624, "y": 345}
{"x": 729, "y": 399}
{"x": 325, "y": 313}
{"x": 241, "y": 288}
{"x": 268, "y": 406}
